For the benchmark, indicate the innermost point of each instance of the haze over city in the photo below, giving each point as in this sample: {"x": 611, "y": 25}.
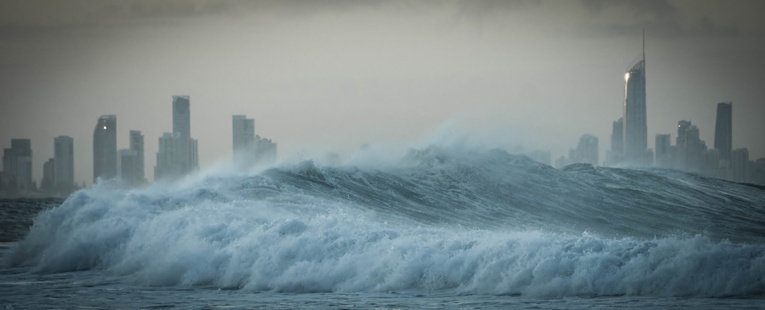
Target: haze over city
{"x": 334, "y": 75}
{"x": 528, "y": 154}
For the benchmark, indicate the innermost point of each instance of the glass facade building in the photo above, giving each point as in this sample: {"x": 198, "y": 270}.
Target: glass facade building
{"x": 63, "y": 153}
{"x": 105, "y": 148}
{"x": 635, "y": 127}
{"x": 724, "y": 130}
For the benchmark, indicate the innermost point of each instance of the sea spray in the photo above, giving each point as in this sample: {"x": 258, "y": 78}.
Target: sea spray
{"x": 468, "y": 221}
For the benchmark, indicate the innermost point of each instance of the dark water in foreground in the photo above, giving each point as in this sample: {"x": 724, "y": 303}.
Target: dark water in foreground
{"x": 441, "y": 228}
{"x": 92, "y": 289}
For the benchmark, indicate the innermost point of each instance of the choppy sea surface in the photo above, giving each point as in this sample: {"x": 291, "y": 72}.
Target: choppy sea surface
{"x": 441, "y": 227}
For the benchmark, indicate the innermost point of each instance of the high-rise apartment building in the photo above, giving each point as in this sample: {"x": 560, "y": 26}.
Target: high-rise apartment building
{"x": 689, "y": 147}
{"x": 63, "y": 153}
{"x": 250, "y": 149}
{"x": 136, "y": 145}
{"x": 178, "y": 152}
{"x": 663, "y": 151}
{"x": 586, "y": 151}
{"x": 739, "y": 164}
{"x": 17, "y": 166}
{"x": 167, "y": 166}
{"x": 46, "y": 184}
{"x": 105, "y": 148}
{"x": 614, "y": 156}
{"x": 182, "y": 116}
{"x": 243, "y": 132}
{"x": 265, "y": 151}
{"x": 724, "y": 130}
{"x": 635, "y": 127}
{"x": 128, "y": 167}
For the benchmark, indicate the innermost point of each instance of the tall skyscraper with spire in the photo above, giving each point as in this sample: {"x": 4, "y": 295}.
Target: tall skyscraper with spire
{"x": 635, "y": 128}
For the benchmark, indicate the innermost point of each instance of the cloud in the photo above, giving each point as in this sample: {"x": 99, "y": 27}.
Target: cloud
{"x": 701, "y": 27}
{"x": 36, "y": 19}
{"x": 86, "y": 12}
{"x": 163, "y": 9}
{"x": 145, "y": 9}
{"x": 660, "y": 17}
{"x": 658, "y": 8}
{"x": 484, "y": 8}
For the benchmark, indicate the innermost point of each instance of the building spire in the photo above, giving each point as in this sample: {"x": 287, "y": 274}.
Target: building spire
{"x": 643, "y": 47}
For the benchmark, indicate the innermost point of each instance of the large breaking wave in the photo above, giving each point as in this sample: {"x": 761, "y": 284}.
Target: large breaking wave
{"x": 469, "y": 221}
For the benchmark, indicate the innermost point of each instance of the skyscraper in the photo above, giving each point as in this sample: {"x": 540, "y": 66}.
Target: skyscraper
{"x": 663, "y": 151}
{"x": 724, "y": 130}
{"x": 167, "y": 166}
{"x": 182, "y": 116}
{"x": 615, "y": 156}
{"x": 136, "y": 144}
{"x": 63, "y": 153}
{"x": 250, "y": 149}
{"x": 129, "y": 167}
{"x": 739, "y": 162}
{"x": 46, "y": 184}
{"x": 635, "y": 128}
{"x": 689, "y": 147}
{"x": 105, "y": 148}
{"x": 178, "y": 152}
{"x": 17, "y": 166}
{"x": 243, "y": 132}
{"x": 265, "y": 151}
{"x": 586, "y": 151}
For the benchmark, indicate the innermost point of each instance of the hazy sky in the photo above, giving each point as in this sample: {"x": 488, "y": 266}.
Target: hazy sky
{"x": 333, "y": 75}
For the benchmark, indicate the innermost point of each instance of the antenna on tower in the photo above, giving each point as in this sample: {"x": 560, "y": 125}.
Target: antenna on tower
{"x": 643, "y": 46}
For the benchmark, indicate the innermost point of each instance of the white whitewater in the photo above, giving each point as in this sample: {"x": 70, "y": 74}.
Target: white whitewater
{"x": 465, "y": 221}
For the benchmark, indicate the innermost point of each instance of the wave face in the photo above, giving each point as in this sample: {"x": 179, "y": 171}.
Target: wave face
{"x": 468, "y": 221}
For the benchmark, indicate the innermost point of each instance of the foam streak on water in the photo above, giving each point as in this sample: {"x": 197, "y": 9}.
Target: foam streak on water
{"x": 466, "y": 222}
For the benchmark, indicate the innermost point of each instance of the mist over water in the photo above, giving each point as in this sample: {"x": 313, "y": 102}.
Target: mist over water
{"x": 459, "y": 219}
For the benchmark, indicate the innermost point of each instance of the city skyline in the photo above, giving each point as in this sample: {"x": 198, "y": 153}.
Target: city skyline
{"x": 179, "y": 152}
{"x": 510, "y": 70}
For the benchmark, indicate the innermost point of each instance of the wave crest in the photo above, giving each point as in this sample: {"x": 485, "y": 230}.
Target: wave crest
{"x": 472, "y": 222}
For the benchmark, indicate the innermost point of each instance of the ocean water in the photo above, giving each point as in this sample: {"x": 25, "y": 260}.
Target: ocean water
{"x": 441, "y": 227}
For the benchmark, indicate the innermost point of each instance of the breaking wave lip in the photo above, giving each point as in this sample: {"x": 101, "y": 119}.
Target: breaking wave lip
{"x": 472, "y": 222}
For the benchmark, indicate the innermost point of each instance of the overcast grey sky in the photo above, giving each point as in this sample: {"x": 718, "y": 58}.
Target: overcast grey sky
{"x": 332, "y": 75}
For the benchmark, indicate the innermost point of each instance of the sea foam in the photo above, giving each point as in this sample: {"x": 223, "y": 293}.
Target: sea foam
{"x": 308, "y": 228}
